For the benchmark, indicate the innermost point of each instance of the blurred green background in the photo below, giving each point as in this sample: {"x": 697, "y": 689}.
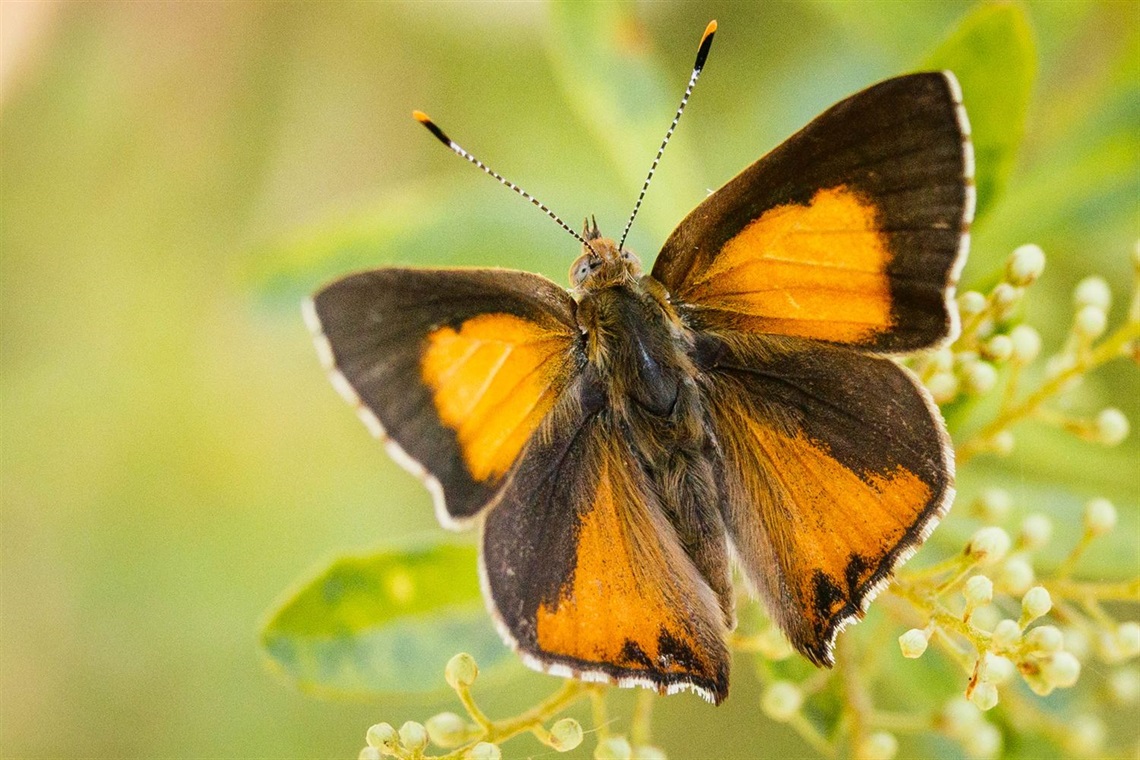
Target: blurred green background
{"x": 175, "y": 177}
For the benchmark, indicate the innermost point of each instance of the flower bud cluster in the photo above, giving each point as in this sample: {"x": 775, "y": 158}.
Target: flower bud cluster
{"x": 989, "y": 340}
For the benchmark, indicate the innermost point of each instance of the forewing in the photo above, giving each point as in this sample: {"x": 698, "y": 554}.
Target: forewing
{"x": 853, "y": 231}
{"x": 837, "y": 467}
{"x": 585, "y": 575}
{"x": 455, "y": 369}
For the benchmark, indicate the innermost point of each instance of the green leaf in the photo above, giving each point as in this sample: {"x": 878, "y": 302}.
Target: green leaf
{"x": 993, "y": 54}
{"x": 463, "y": 223}
{"x": 382, "y": 622}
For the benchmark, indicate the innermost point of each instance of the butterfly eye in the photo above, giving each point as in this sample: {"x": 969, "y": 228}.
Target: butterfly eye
{"x": 583, "y": 267}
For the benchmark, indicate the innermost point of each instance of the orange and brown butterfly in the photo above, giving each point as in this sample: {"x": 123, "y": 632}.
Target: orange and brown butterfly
{"x": 622, "y": 444}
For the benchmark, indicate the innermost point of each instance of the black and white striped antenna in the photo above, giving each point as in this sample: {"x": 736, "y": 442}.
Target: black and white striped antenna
{"x": 702, "y": 54}
{"x": 422, "y": 118}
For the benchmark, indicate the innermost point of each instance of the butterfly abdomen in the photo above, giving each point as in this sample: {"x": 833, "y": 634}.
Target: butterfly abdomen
{"x": 642, "y": 355}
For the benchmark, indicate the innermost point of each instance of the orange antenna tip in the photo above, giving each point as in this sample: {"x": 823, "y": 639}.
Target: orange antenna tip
{"x": 422, "y": 118}
{"x": 705, "y": 46}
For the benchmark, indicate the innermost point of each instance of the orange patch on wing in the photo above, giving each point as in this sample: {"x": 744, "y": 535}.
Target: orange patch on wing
{"x": 832, "y": 519}
{"x": 492, "y": 382}
{"x": 814, "y": 271}
{"x": 620, "y": 609}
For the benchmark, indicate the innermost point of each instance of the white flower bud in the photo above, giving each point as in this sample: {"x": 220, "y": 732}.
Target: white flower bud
{"x": 986, "y": 617}
{"x": 1085, "y": 735}
{"x": 980, "y": 378}
{"x": 384, "y": 738}
{"x": 369, "y": 753}
{"x": 1061, "y": 669}
{"x": 1045, "y": 638}
{"x": 943, "y": 387}
{"x": 461, "y": 671}
{"x": 959, "y": 717}
{"x": 942, "y": 360}
{"x": 1036, "y": 530}
{"x": 1077, "y": 642}
{"x": 1108, "y": 647}
{"x": 1090, "y": 322}
{"x": 877, "y": 746}
{"x": 1100, "y": 516}
{"x": 487, "y": 751}
{"x": 913, "y": 643}
{"x": 413, "y": 736}
{"x": 1005, "y": 295}
{"x": 782, "y": 700}
{"x": 1128, "y": 639}
{"x": 1035, "y": 603}
{"x": 993, "y": 505}
{"x": 984, "y": 696}
{"x": 1002, "y": 443}
{"x": 1111, "y": 426}
{"x": 446, "y": 730}
{"x": 971, "y": 302}
{"x": 1026, "y": 344}
{"x": 1124, "y": 685}
{"x": 613, "y": 748}
{"x": 1092, "y": 291}
{"x": 988, "y": 545}
{"x": 985, "y": 328}
{"x": 999, "y": 348}
{"x": 1025, "y": 264}
{"x": 1006, "y": 634}
{"x": 995, "y": 668}
{"x": 1015, "y": 576}
{"x": 979, "y": 590}
{"x": 565, "y": 735}
{"x": 984, "y": 743}
{"x": 963, "y": 359}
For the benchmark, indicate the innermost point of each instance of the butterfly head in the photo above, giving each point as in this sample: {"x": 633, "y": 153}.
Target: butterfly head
{"x": 602, "y": 262}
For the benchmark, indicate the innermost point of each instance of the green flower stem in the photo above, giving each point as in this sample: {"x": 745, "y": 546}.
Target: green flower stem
{"x": 950, "y": 564}
{"x": 858, "y": 705}
{"x": 497, "y": 732}
{"x": 812, "y": 735}
{"x": 599, "y": 714}
{"x": 473, "y": 709}
{"x": 1112, "y": 347}
{"x": 641, "y": 723}
{"x": 1070, "y": 561}
{"x": 1118, "y": 591}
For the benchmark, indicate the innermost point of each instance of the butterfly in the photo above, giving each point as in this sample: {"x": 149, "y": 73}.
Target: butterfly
{"x": 624, "y": 443}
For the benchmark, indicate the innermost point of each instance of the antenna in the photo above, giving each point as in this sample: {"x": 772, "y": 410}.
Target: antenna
{"x": 702, "y": 54}
{"x": 422, "y": 118}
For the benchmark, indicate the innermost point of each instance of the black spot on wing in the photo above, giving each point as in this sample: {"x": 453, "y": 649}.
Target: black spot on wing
{"x": 857, "y": 568}
{"x": 827, "y": 595}
{"x": 672, "y": 650}
{"x": 631, "y": 652}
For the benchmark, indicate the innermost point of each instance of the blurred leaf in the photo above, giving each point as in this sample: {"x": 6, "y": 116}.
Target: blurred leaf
{"x": 461, "y": 224}
{"x": 382, "y": 622}
{"x": 993, "y": 54}
{"x": 602, "y": 58}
